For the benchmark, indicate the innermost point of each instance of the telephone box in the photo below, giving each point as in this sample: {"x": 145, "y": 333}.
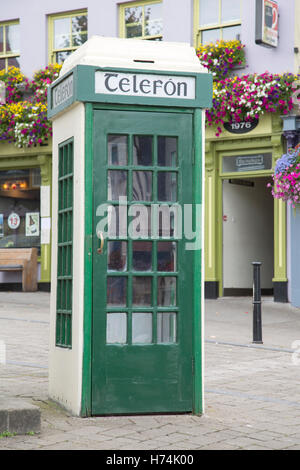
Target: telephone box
{"x": 126, "y": 289}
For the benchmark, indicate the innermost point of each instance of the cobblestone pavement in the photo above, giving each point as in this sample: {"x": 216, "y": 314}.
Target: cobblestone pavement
{"x": 251, "y": 392}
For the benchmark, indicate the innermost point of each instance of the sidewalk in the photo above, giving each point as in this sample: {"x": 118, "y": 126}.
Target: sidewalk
{"x": 251, "y": 392}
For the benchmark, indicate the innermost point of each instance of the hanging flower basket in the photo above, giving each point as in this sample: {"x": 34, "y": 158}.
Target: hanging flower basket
{"x": 286, "y": 177}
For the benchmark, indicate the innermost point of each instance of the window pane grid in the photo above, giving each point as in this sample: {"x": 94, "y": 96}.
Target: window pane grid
{"x": 9, "y": 45}
{"x": 142, "y": 275}
{"x": 217, "y": 21}
{"x": 65, "y": 247}
{"x": 66, "y": 34}
{"x": 136, "y": 20}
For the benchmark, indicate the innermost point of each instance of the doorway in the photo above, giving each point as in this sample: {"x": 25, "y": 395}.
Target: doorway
{"x": 142, "y": 299}
{"x": 248, "y": 234}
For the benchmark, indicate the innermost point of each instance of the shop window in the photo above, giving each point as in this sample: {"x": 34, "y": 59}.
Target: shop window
{"x": 216, "y": 20}
{"x": 20, "y": 208}
{"x": 9, "y": 44}
{"x": 67, "y": 32}
{"x": 65, "y": 246}
{"x": 141, "y": 20}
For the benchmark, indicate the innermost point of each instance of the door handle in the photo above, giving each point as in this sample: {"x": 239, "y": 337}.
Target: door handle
{"x": 101, "y": 238}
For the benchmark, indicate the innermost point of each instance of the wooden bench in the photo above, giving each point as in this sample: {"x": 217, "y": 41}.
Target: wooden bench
{"x": 21, "y": 259}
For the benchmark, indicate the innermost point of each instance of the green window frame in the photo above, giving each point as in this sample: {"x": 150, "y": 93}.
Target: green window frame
{"x": 66, "y": 32}
{"x": 65, "y": 246}
{"x": 218, "y": 27}
{"x": 9, "y": 44}
{"x": 135, "y": 24}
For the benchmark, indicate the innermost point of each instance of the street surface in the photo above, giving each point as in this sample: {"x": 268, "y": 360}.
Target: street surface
{"x": 252, "y": 398}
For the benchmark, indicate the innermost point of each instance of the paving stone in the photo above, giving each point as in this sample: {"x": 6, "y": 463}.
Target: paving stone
{"x": 251, "y": 393}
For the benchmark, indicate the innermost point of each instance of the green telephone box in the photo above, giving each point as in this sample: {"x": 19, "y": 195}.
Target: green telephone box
{"x": 126, "y": 301}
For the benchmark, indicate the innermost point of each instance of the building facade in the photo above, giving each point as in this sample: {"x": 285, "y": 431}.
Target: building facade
{"x": 33, "y": 34}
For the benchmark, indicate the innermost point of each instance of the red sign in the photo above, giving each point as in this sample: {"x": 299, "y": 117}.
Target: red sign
{"x": 267, "y": 23}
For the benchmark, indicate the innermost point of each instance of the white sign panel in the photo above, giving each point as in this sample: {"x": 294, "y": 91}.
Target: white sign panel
{"x": 13, "y": 221}
{"x": 45, "y": 201}
{"x": 144, "y": 85}
{"x": 62, "y": 92}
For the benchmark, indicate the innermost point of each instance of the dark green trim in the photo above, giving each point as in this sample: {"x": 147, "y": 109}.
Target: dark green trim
{"x": 68, "y": 102}
{"x": 84, "y": 86}
{"x": 197, "y": 329}
{"x": 86, "y": 401}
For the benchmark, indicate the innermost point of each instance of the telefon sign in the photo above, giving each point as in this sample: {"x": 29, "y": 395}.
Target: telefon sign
{"x": 266, "y": 33}
{"x": 146, "y": 85}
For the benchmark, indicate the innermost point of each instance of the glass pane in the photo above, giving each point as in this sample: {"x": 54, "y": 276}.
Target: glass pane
{"x": 134, "y": 31}
{"x": 140, "y": 221}
{"x": 208, "y": 12}
{"x": 116, "y": 185}
{"x": 142, "y": 150}
{"x": 117, "y": 221}
{"x": 117, "y": 150}
{"x": 79, "y": 30}
{"x": 233, "y": 32}
{"x": 141, "y": 291}
{"x": 231, "y": 10}
{"x": 141, "y": 327}
{"x": 2, "y": 64}
{"x": 1, "y": 40}
{"x": 142, "y": 256}
{"x": 167, "y": 151}
{"x": 166, "y": 327}
{"x": 19, "y": 209}
{"x": 62, "y": 33}
{"x": 167, "y": 186}
{"x": 166, "y": 256}
{"x": 116, "y": 291}
{"x": 168, "y": 220}
{"x": 61, "y": 56}
{"x": 211, "y": 35}
{"x": 116, "y": 256}
{"x": 166, "y": 291}
{"x": 142, "y": 185}
{"x": 13, "y": 62}
{"x": 153, "y": 19}
{"x": 116, "y": 329}
{"x": 133, "y": 15}
{"x": 12, "y": 38}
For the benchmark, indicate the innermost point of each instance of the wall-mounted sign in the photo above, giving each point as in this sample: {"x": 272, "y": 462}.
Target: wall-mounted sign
{"x": 239, "y": 163}
{"x": 266, "y": 28}
{"x": 13, "y": 221}
{"x": 62, "y": 92}
{"x": 240, "y": 127}
{"x": 145, "y": 85}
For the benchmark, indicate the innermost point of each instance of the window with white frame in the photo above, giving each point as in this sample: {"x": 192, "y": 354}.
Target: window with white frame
{"x": 217, "y": 20}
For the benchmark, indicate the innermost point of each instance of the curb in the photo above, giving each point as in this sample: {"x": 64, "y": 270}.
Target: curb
{"x": 19, "y": 417}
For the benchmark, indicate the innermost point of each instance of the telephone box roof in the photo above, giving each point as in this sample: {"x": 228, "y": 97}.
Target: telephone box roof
{"x": 135, "y": 53}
